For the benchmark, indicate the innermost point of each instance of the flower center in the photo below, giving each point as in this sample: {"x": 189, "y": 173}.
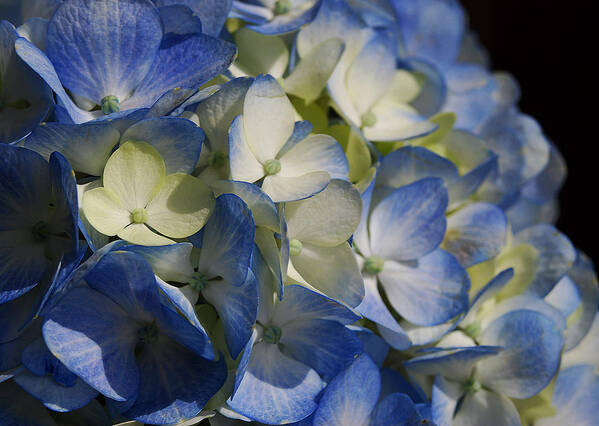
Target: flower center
{"x": 148, "y": 334}
{"x": 282, "y": 7}
{"x": 216, "y": 159}
{"x": 272, "y": 167}
{"x": 272, "y": 334}
{"x": 374, "y": 265}
{"x": 110, "y": 104}
{"x": 139, "y": 216}
{"x": 40, "y": 231}
{"x": 198, "y": 281}
{"x": 368, "y": 119}
{"x": 471, "y": 386}
{"x": 295, "y": 247}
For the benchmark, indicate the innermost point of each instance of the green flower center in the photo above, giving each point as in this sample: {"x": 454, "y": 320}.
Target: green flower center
{"x": 471, "y": 386}
{"x": 282, "y": 7}
{"x": 216, "y": 159}
{"x": 368, "y": 119}
{"x": 40, "y": 231}
{"x": 374, "y": 265}
{"x": 198, "y": 281}
{"x": 148, "y": 334}
{"x": 272, "y": 167}
{"x": 272, "y": 334}
{"x": 139, "y": 216}
{"x": 110, "y": 104}
{"x": 295, "y": 247}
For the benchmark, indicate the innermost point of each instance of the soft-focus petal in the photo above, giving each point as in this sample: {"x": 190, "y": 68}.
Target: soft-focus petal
{"x": 283, "y": 189}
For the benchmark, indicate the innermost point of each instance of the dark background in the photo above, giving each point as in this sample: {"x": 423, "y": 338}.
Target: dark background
{"x": 546, "y": 45}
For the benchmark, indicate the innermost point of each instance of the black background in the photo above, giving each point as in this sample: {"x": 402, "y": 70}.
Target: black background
{"x": 547, "y": 46}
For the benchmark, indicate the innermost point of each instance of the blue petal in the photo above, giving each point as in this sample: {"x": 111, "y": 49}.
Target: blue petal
{"x": 302, "y": 304}
{"x": 432, "y": 95}
{"x": 545, "y": 186}
{"x": 428, "y": 291}
{"x": 103, "y": 48}
{"x": 351, "y": 396}
{"x": 55, "y": 396}
{"x": 455, "y": 364}
{"x": 179, "y": 19}
{"x": 412, "y": 163}
{"x": 273, "y": 377}
{"x": 64, "y": 189}
{"x": 38, "y": 360}
{"x": 175, "y": 384}
{"x": 533, "y": 345}
{"x": 171, "y": 262}
{"x": 186, "y": 61}
{"x": 228, "y": 241}
{"x": 291, "y": 21}
{"x": 373, "y": 308}
{"x": 40, "y": 63}
{"x": 10, "y": 352}
{"x": 393, "y": 382}
{"x": 576, "y": 397}
{"x": 217, "y": 112}
{"x": 86, "y": 146}
{"x": 326, "y": 346}
{"x": 410, "y": 222}
{"x": 95, "y": 338}
{"x": 301, "y": 130}
{"x": 263, "y": 208}
{"x": 396, "y": 409}
{"x": 556, "y": 255}
{"x": 476, "y": 233}
{"x": 431, "y": 29}
{"x": 374, "y": 346}
{"x": 445, "y": 398}
{"x": 182, "y": 328}
{"x": 244, "y": 361}
{"x": 212, "y": 13}
{"x": 237, "y": 306}
{"x": 494, "y": 286}
{"x": 179, "y": 141}
{"x": 129, "y": 281}
{"x": 582, "y": 284}
{"x": 19, "y": 82}
{"x": 25, "y": 193}
{"x": 470, "y": 95}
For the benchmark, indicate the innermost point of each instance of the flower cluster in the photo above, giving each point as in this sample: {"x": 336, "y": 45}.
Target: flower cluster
{"x": 318, "y": 212}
